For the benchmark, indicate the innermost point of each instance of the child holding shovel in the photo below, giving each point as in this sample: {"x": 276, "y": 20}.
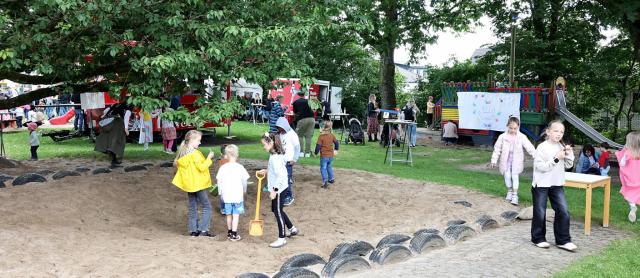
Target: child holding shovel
{"x": 277, "y": 182}
{"x": 232, "y": 184}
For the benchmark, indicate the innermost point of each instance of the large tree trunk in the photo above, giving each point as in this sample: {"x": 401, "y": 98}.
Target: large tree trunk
{"x": 387, "y": 80}
{"x": 387, "y": 64}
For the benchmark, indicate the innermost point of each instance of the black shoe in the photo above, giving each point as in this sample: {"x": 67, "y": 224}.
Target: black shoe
{"x": 207, "y": 234}
{"x": 195, "y": 234}
{"x": 324, "y": 185}
{"x": 332, "y": 181}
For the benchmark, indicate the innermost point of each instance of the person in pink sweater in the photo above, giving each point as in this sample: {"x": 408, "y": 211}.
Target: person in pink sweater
{"x": 629, "y": 161}
{"x": 509, "y": 150}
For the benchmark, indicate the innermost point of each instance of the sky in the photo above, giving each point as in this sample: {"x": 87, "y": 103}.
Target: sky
{"x": 450, "y": 44}
{"x": 462, "y": 45}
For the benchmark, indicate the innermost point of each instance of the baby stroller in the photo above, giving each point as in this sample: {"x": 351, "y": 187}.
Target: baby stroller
{"x": 356, "y": 135}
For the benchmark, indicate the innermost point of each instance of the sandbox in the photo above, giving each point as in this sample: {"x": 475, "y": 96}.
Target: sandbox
{"x": 134, "y": 223}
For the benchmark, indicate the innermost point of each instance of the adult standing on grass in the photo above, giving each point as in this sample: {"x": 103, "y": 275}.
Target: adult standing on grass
{"x": 276, "y": 112}
{"x": 113, "y": 132}
{"x": 430, "y": 107}
{"x": 304, "y": 122}
{"x": 410, "y": 112}
{"x": 372, "y": 118}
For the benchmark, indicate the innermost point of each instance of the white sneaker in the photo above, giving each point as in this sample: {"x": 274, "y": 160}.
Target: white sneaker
{"x": 509, "y": 195}
{"x": 543, "y": 244}
{"x": 569, "y": 246}
{"x": 293, "y": 231}
{"x": 307, "y": 155}
{"x": 278, "y": 243}
{"x": 514, "y": 200}
{"x": 632, "y": 214}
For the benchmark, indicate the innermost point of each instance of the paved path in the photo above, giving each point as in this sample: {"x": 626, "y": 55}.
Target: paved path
{"x": 502, "y": 252}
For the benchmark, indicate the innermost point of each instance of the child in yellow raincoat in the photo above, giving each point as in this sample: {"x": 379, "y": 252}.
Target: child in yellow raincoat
{"x": 193, "y": 177}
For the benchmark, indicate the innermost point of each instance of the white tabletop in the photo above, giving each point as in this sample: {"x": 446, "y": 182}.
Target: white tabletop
{"x": 337, "y": 114}
{"x": 399, "y": 122}
{"x": 583, "y": 178}
{"x": 257, "y": 104}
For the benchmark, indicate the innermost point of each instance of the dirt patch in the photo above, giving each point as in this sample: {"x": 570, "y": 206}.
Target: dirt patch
{"x": 134, "y": 224}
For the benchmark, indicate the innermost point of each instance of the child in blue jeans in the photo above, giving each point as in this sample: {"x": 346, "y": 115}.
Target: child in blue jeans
{"x": 551, "y": 159}
{"x": 327, "y": 146}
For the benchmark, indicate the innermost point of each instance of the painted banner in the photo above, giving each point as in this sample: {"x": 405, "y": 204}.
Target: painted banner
{"x": 487, "y": 111}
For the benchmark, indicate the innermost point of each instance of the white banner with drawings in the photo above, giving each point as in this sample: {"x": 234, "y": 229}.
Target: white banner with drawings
{"x": 487, "y": 111}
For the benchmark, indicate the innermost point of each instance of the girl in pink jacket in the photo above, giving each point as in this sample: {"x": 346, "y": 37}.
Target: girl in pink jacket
{"x": 629, "y": 161}
{"x": 509, "y": 150}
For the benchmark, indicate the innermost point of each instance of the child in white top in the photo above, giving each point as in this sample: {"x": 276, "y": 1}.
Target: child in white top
{"x": 508, "y": 149}
{"x": 232, "y": 184}
{"x": 277, "y": 181}
{"x": 551, "y": 159}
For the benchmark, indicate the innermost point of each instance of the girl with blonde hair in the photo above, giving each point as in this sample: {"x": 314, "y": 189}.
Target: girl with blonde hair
{"x": 629, "y": 161}
{"x": 193, "y": 177}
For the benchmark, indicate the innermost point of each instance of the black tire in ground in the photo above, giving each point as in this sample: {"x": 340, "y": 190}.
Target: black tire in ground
{"x": 356, "y": 247}
{"x": 62, "y": 174}
{"x": 390, "y": 253}
{"x": 252, "y": 275}
{"x": 344, "y": 264}
{"x": 101, "y": 171}
{"x": 134, "y": 168}
{"x": 426, "y": 241}
{"x": 296, "y": 272}
{"x": 463, "y": 203}
{"x": 392, "y": 239}
{"x": 166, "y": 164}
{"x": 457, "y": 233}
{"x": 456, "y": 222}
{"x": 27, "y": 178}
{"x": 426, "y": 231}
{"x": 486, "y": 223}
{"x": 509, "y": 215}
{"x": 82, "y": 169}
{"x": 302, "y": 260}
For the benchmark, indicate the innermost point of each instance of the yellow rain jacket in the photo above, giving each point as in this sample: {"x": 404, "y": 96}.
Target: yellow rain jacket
{"x": 193, "y": 172}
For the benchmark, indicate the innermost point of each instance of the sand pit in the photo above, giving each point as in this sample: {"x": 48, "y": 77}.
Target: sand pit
{"x": 134, "y": 224}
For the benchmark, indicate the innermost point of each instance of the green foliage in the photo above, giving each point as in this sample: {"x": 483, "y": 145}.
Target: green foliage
{"x": 155, "y": 48}
{"x": 385, "y": 25}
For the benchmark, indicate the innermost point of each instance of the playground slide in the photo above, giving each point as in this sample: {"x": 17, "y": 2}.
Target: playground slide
{"x": 561, "y": 109}
{"x": 60, "y": 120}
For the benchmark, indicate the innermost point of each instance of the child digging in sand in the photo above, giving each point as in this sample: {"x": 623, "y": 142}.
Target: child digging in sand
{"x": 327, "y": 146}
{"x": 508, "y": 150}
{"x": 232, "y": 184}
{"x": 277, "y": 181}
{"x": 193, "y": 177}
{"x": 551, "y": 159}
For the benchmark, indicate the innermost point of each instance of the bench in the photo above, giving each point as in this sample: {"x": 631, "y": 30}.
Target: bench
{"x": 589, "y": 182}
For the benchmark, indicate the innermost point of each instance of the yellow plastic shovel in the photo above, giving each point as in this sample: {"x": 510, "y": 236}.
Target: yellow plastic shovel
{"x": 256, "y": 223}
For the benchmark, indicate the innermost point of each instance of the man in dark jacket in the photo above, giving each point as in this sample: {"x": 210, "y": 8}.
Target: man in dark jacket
{"x": 305, "y": 122}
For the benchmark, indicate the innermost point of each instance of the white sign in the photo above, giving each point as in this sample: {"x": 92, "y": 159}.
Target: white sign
{"x": 487, "y": 111}
{"x": 92, "y": 100}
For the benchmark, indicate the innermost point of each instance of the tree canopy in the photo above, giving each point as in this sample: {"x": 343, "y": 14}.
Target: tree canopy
{"x": 149, "y": 47}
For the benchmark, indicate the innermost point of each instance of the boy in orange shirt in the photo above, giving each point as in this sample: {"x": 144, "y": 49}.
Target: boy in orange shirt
{"x": 327, "y": 146}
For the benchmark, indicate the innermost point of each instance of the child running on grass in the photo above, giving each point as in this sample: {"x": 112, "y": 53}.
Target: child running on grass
{"x": 277, "y": 180}
{"x": 629, "y": 161}
{"x": 232, "y": 184}
{"x": 508, "y": 149}
{"x": 193, "y": 177}
{"x": 551, "y": 159}
{"x": 327, "y": 146}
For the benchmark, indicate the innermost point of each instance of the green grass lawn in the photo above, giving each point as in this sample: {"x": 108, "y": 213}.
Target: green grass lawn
{"x": 438, "y": 165}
